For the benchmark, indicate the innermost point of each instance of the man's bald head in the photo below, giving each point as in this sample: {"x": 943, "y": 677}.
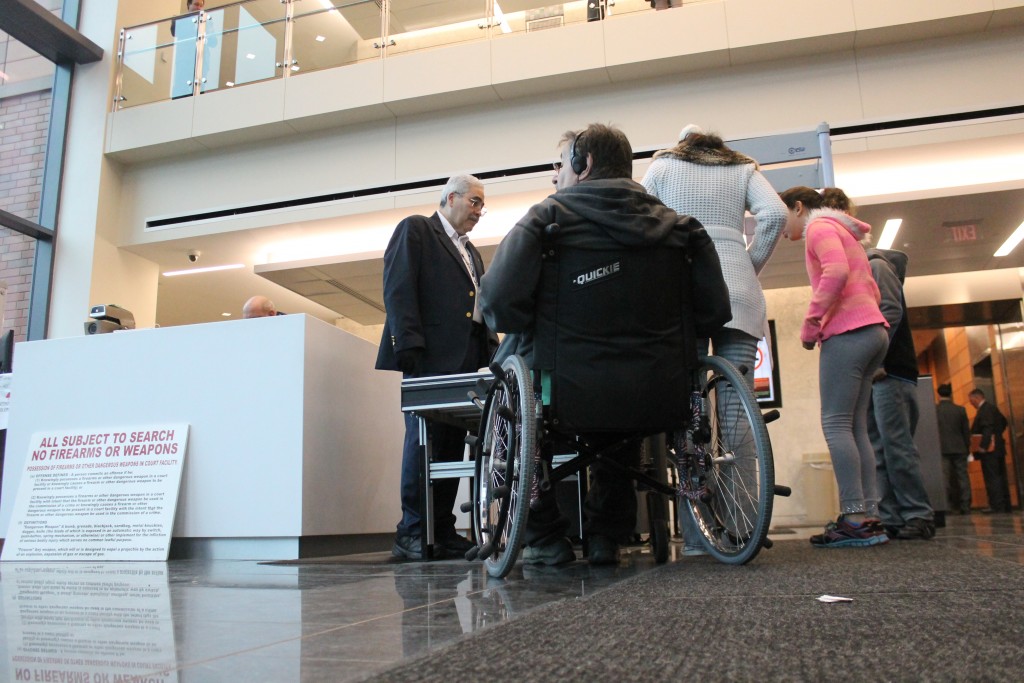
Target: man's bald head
{"x": 258, "y": 307}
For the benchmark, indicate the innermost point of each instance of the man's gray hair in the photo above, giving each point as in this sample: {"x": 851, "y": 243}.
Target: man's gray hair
{"x": 459, "y": 184}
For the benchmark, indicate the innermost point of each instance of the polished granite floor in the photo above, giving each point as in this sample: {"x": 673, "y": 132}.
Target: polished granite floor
{"x": 198, "y": 621}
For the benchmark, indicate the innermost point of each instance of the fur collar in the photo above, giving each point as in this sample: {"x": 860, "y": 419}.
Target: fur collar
{"x": 706, "y": 157}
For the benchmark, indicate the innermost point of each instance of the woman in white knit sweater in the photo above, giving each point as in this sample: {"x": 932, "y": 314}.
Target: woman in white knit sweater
{"x": 703, "y": 178}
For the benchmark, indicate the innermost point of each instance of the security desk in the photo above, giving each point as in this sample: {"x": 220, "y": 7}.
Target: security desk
{"x": 295, "y": 441}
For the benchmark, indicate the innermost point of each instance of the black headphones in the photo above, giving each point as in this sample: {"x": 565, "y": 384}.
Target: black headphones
{"x": 578, "y": 164}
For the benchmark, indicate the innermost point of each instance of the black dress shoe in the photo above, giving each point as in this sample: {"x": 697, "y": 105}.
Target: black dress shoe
{"x": 408, "y": 547}
{"x": 453, "y": 543}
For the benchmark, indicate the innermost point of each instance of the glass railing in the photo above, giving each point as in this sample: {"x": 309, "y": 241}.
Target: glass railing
{"x": 330, "y": 33}
{"x": 413, "y": 25}
{"x": 258, "y": 40}
{"x": 244, "y": 43}
{"x": 158, "y": 61}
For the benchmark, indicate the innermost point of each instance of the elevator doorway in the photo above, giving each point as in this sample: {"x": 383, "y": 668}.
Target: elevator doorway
{"x": 978, "y": 345}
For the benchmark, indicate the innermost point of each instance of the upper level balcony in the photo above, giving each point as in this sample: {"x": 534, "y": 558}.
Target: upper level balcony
{"x": 244, "y": 71}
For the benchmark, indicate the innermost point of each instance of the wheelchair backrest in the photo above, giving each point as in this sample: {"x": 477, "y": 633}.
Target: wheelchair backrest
{"x": 614, "y": 330}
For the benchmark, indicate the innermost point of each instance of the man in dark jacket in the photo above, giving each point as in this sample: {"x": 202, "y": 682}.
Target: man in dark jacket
{"x": 989, "y": 424}
{"x": 903, "y": 503}
{"x": 593, "y": 286}
{"x": 433, "y": 327}
{"x": 955, "y": 443}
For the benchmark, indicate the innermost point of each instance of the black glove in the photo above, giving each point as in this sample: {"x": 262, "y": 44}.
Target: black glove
{"x": 409, "y": 360}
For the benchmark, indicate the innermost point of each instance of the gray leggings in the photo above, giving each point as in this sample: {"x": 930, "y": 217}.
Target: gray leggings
{"x": 848, "y": 361}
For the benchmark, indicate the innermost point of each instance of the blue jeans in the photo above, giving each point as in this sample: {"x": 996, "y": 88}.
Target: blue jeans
{"x": 892, "y": 420}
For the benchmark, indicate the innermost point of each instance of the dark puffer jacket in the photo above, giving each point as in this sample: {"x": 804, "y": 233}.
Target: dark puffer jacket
{"x": 604, "y": 301}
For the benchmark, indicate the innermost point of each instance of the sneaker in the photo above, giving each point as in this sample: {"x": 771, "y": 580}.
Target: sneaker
{"x": 694, "y": 551}
{"x": 408, "y": 547}
{"x": 844, "y": 534}
{"x": 602, "y": 550}
{"x": 917, "y": 529}
{"x": 558, "y": 551}
{"x": 876, "y": 527}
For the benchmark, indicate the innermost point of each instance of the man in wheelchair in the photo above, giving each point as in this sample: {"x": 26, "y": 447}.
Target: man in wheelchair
{"x": 595, "y": 288}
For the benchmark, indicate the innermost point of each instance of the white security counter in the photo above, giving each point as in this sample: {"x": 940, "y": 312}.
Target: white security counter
{"x": 295, "y": 441}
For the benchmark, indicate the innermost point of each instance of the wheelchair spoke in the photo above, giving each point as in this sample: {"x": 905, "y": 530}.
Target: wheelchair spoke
{"x": 504, "y": 477}
{"x": 733, "y": 508}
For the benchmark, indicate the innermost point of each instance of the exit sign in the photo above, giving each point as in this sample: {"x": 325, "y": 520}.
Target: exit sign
{"x": 962, "y": 232}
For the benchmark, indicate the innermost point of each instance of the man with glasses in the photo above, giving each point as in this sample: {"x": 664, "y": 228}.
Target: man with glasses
{"x": 434, "y": 327}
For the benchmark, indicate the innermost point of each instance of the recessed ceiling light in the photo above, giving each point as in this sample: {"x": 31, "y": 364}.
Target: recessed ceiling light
{"x": 321, "y": 39}
{"x": 1012, "y": 241}
{"x": 892, "y": 226}
{"x": 226, "y": 314}
{"x": 208, "y": 269}
{"x": 250, "y": 56}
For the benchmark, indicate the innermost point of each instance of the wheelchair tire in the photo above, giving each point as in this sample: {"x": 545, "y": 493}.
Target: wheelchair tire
{"x": 740, "y": 472}
{"x": 504, "y": 467}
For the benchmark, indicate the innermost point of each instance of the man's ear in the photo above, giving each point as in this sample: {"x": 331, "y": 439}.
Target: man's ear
{"x": 585, "y": 173}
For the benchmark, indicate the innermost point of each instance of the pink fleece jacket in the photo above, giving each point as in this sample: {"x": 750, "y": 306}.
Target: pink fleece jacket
{"x": 844, "y": 295}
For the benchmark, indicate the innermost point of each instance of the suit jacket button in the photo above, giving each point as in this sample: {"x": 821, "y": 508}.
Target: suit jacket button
{"x": 472, "y": 293}
{"x": 469, "y": 315}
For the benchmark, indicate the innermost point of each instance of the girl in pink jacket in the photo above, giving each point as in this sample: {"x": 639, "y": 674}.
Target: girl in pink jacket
{"x": 844, "y": 318}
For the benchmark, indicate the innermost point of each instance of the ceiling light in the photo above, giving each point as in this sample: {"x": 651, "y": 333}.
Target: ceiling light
{"x": 226, "y": 314}
{"x": 230, "y": 84}
{"x": 1012, "y": 241}
{"x": 892, "y": 226}
{"x": 209, "y": 269}
{"x": 250, "y": 56}
{"x": 320, "y": 39}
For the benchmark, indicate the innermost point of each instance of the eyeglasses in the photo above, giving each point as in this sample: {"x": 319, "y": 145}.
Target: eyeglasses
{"x": 558, "y": 166}
{"x": 476, "y": 203}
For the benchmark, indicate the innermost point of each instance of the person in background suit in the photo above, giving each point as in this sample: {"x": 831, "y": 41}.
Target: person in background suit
{"x": 955, "y": 444}
{"x": 433, "y": 327}
{"x": 990, "y": 424}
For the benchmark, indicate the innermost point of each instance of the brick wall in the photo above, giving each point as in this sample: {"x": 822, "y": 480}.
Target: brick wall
{"x": 24, "y": 120}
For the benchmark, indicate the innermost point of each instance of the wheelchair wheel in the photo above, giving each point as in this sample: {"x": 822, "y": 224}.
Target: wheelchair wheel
{"x": 734, "y": 513}
{"x": 504, "y": 467}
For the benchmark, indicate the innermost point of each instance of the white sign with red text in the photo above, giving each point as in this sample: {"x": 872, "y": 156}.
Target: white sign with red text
{"x": 98, "y": 495}
{"x": 5, "y": 399}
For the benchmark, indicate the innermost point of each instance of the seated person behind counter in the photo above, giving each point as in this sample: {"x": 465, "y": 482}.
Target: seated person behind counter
{"x": 637, "y": 321}
{"x": 259, "y": 307}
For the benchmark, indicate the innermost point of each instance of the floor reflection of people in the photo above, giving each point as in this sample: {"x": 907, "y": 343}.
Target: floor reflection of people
{"x": 437, "y": 608}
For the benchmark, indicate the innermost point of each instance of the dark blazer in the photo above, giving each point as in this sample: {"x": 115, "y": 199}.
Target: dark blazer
{"x": 954, "y": 429}
{"x": 429, "y": 297}
{"x": 990, "y": 423}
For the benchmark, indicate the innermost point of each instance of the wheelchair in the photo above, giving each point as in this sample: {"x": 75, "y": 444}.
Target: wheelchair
{"x": 722, "y": 458}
